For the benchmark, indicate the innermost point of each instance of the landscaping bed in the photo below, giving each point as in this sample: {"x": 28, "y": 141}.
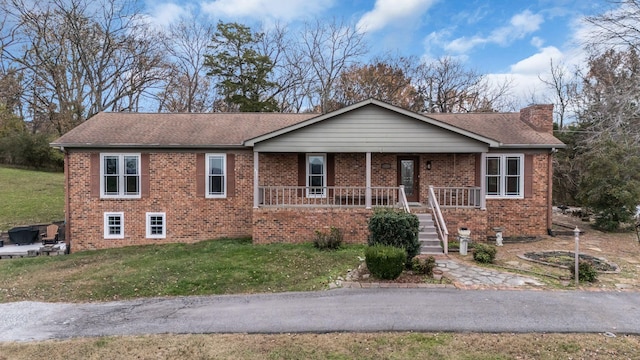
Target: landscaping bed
{"x": 566, "y": 259}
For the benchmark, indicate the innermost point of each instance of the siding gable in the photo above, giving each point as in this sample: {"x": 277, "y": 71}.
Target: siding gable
{"x": 371, "y": 129}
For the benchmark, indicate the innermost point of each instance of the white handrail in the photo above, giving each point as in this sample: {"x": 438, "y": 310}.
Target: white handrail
{"x": 403, "y": 198}
{"x": 441, "y": 226}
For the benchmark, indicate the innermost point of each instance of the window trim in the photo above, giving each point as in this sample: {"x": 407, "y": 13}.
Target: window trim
{"x": 324, "y": 176}
{"x": 148, "y": 225}
{"x": 503, "y": 175}
{"x": 106, "y": 233}
{"x": 207, "y": 180}
{"x": 121, "y": 177}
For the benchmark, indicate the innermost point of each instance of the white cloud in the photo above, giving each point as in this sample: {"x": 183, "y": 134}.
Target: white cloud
{"x": 537, "y": 42}
{"x": 265, "y": 9}
{"x": 165, "y": 14}
{"x": 519, "y": 26}
{"x": 538, "y": 63}
{"x": 393, "y": 12}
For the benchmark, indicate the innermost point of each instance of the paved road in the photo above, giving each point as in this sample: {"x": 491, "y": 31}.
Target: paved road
{"x": 359, "y": 310}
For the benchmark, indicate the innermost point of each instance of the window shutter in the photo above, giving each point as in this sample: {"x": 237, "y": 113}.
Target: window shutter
{"x": 231, "y": 175}
{"x": 528, "y": 175}
{"x": 478, "y": 169}
{"x": 302, "y": 173}
{"x": 200, "y": 175}
{"x": 144, "y": 175}
{"x": 94, "y": 174}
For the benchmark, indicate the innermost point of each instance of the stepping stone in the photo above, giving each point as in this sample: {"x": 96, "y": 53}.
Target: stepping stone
{"x": 624, "y": 286}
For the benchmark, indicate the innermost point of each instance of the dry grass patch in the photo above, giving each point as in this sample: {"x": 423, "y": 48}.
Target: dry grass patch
{"x": 332, "y": 346}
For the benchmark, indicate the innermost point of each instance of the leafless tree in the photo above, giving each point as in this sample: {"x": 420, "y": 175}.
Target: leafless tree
{"x": 187, "y": 88}
{"x": 329, "y": 49}
{"x": 80, "y": 57}
{"x": 618, "y": 27}
{"x": 565, "y": 91}
{"x": 447, "y": 86}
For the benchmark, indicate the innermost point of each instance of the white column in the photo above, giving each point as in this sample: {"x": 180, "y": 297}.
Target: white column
{"x": 368, "y": 182}
{"x": 256, "y": 191}
{"x": 483, "y": 181}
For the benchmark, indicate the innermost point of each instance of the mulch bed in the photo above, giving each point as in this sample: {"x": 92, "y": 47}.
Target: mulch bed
{"x": 566, "y": 259}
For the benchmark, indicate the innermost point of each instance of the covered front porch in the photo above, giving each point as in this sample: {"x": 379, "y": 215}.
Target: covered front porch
{"x": 342, "y": 189}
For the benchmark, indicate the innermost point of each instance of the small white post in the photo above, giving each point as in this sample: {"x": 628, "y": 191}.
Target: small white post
{"x": 576, "y": 232}
{"x": 367, "y": 195}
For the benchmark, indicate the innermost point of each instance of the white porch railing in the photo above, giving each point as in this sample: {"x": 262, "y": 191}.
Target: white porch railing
{"x": 441, "y": 226}
{"x": 329, "y": 196}
{"x": 456, "y": 197}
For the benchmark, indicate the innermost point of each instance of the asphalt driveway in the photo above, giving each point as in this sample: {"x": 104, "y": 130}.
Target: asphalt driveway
{"x": 357, "y": 310}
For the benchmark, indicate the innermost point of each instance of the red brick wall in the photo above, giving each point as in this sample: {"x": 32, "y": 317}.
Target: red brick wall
{"x": 296, "y": 225}
{"x": 189, "y": 218}
{"x": 473, "y": 219}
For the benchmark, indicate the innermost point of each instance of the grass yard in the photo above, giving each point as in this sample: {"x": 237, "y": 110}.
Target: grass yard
{"x": 30, "y": 197}
{"x": 208, "y": 267}
{"x": 333, "y": 346}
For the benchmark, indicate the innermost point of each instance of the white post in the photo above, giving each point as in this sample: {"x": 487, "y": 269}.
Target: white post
{"x": 576, "y": 232}
{"x": 367, "y": 195}
{"x": 256, "y": 191}
{"x": 483, "y": 181}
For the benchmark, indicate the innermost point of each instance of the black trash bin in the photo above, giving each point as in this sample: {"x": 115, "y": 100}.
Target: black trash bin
{"x": 23, "y": 235}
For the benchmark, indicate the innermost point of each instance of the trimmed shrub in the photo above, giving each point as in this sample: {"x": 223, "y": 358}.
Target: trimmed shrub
{"x": 385, "y": 262}
{"x": 586, "y": 271}
{"x": 395, "y": 228}
{"x": 330, "y": 241}
{"x": 484, "y": 253}
{"x": 423, "y": 266}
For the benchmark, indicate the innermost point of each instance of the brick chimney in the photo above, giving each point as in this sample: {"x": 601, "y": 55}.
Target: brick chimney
{"x": 539, "y": 117}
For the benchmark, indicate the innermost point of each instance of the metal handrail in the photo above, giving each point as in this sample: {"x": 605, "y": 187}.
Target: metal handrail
{"x": 441, "y": 226}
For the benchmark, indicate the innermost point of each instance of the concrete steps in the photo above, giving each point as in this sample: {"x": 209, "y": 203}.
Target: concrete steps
{"x": 428, "y": 236}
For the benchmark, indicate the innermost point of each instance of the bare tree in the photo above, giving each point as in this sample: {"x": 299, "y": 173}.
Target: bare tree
{"x": 619, "y": 27}
{"x": 187, "y": 89}
{"x": 329, "y": 48}
{"x": 565, "y": 91}
{"x": 79, "y": 57}
{"x": 447, "y": 86}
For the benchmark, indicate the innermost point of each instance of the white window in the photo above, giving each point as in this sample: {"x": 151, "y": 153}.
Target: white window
{"x": 114, "y": 225}
{"x": 156, "y": 225}
{"x": 316, "y": 175}
{"x": 120, "y": 175}
{"x": 505, "y": 175}
{"x": 216, "y": 169}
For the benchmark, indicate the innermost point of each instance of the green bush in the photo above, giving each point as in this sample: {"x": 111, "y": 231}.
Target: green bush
{"x": 586, "y": 271}
{"x": 330, "y": 241}
{"x": 395, "y": 228}
{"x": 423, "y": 265}
{"x": 484, "y": 253}
{"x": 385, "y": 262}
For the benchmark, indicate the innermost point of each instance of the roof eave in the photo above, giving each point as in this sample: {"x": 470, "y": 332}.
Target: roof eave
{"x": 144, "y": 146}
{"x": 532, "y": 146}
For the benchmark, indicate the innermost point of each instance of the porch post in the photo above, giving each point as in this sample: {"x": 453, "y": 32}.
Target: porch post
{"x": 256, "y": 191}
{"x": 367, "y": 200}
{"x": 483, "y": 181}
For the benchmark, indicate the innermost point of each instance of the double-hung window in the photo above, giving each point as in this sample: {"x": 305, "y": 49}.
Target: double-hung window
{"x": 216, "y": 182}
{"x": 505, "y": 175}
{"x": 120, "y": 175}
{"x": 156, "y": 225}
{"x": 114, "y": 225}
{"x": 316, "y": 175}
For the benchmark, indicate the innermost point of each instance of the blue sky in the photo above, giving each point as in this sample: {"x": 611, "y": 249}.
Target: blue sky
{"x": 501, "y": 38}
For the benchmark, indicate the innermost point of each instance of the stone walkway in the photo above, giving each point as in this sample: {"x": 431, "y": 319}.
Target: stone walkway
{"x": 462, "y": 275}
{"x": 469, "y": 277}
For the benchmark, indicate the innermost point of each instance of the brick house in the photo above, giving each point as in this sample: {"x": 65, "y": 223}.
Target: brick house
{"x": 140, "y": 178}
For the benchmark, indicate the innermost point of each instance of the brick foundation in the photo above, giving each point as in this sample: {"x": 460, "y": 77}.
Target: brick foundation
{"x": 275, "y": 225}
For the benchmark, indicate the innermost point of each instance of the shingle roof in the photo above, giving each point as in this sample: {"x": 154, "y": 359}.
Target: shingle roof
{"x": 506, "y": 128}
{"x": 123, "y": 129}
{"x": 175, "y": 130}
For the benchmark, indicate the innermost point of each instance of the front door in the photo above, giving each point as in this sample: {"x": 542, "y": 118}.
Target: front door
{"x": 408, "y": 176}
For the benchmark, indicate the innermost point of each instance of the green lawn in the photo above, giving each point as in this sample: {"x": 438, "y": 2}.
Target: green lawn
{"x": 208, "y": 267}
{"x": 30, "y": 197}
